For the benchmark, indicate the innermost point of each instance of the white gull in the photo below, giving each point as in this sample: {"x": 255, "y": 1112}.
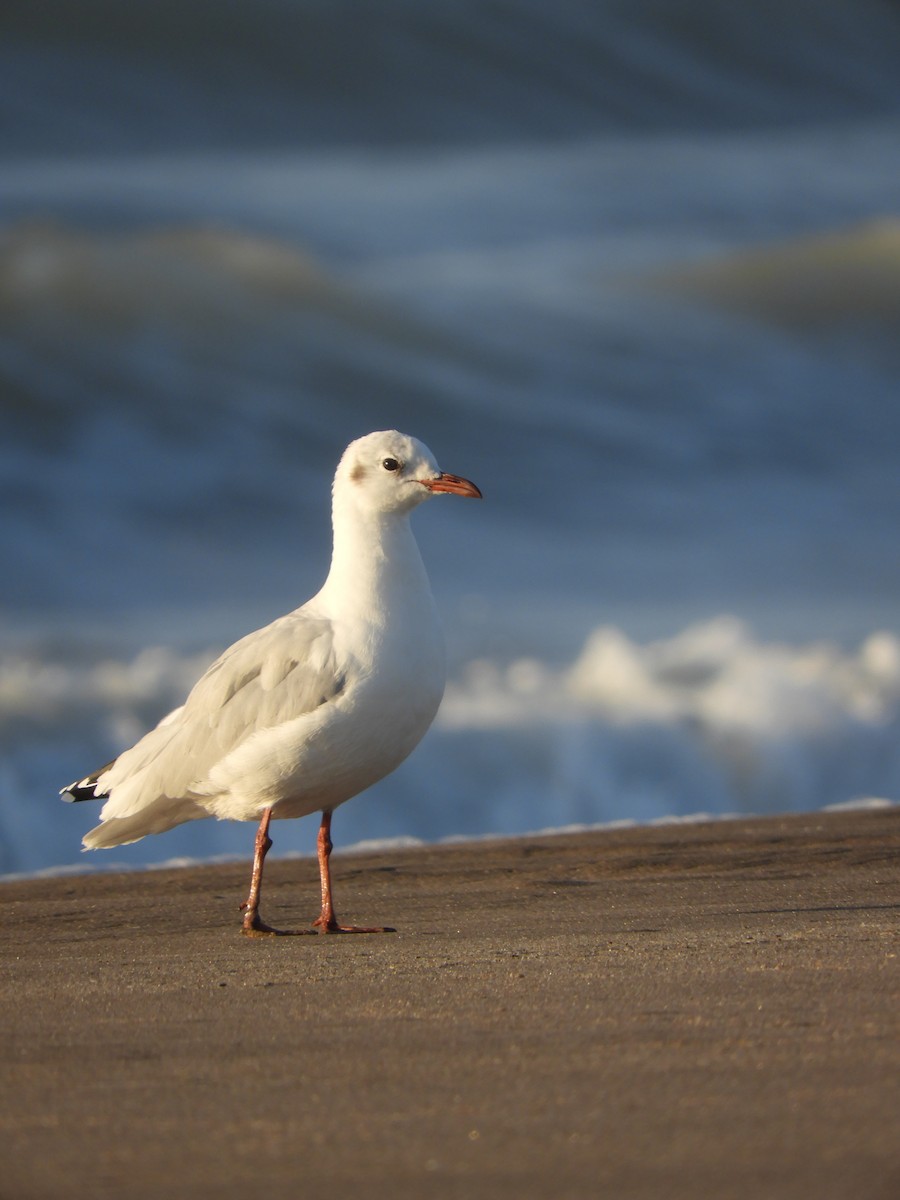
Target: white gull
{"x": 302, "y": 715}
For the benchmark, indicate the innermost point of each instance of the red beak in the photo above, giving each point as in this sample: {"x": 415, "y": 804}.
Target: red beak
{"x": 452, "y": 483}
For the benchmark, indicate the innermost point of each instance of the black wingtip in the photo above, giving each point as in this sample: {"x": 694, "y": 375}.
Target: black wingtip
{"x": 78, "y": 791}
{"x": 85, "y": 789}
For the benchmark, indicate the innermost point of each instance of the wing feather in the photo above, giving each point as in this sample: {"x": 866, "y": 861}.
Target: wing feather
{"x": 267, "y": 678}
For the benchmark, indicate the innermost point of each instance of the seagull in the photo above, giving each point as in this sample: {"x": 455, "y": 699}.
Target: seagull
{"x": 309, "y": 711}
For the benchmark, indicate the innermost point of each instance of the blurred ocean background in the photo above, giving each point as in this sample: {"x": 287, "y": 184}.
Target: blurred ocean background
{"x": 633, "y": 267}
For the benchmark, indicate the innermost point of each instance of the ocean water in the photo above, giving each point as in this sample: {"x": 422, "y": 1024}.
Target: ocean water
{"x": 635, "y": 269}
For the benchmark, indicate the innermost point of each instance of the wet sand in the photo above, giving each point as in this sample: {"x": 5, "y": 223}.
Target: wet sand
{"x": 677, "y": 1011}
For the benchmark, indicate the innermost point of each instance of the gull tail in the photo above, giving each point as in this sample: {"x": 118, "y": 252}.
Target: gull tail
{"x": 85, "y": 789}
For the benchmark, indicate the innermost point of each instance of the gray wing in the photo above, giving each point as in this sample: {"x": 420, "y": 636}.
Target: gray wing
{"x": 265, "y": 679}
{"x": 268, "y": 677}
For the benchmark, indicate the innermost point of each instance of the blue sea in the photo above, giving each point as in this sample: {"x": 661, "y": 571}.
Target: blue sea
{"x": 633, "y": 268}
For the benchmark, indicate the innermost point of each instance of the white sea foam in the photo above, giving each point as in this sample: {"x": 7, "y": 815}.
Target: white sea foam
{"x": 707, "y": 723}
{"x": 711, "y": 719}
{"x": 715, "y": 677}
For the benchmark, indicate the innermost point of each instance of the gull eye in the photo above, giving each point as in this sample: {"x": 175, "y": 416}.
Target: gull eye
{"x": 391, "y": 464}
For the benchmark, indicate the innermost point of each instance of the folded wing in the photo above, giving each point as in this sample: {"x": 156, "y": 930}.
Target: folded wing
{"x": 271, "y": 676}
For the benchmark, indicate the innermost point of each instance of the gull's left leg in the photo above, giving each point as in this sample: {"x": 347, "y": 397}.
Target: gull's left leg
{"x": 253, "y": 926}
{"x": 327, "y": 921}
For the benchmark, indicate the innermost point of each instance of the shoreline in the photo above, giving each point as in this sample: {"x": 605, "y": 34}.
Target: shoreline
{"x": 678, "y": 1009}
{"x": 389, "y": 846}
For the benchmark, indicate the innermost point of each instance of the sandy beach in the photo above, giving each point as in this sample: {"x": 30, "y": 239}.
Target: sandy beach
{"x": 670, "y": 1011}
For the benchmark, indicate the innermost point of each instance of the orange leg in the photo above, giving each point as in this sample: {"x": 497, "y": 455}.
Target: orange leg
{"x": 253, "y": 926}
{"x": 327, "y": 921}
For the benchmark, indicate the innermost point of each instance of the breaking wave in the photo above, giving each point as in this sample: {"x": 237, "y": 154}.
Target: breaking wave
{"x": 709, "y": 721}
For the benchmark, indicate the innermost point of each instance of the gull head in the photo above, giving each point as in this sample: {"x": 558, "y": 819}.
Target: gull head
{"x": 391, "y": 472}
